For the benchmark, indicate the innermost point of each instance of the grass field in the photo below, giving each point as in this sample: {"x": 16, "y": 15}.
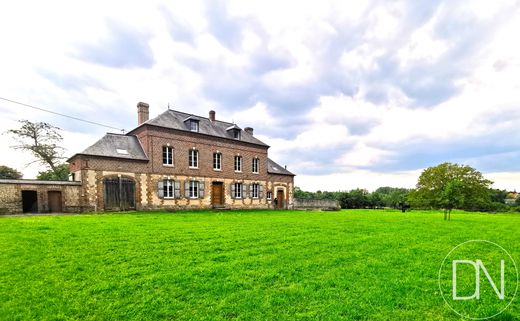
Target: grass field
{"x": 283, "y": 265}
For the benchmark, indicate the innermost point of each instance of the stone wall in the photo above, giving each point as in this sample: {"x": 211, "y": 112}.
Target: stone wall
{"x": 300, "y": 203}
{"x": 11, "y": 195}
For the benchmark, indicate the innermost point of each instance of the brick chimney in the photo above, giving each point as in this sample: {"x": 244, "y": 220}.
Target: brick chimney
{"x": 212, "y": 115}
{"x": 249, "y": 130}
{"x": 142, "y": 112}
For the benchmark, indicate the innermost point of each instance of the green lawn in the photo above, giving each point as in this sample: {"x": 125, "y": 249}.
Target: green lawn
{"x": 282, "y": 265}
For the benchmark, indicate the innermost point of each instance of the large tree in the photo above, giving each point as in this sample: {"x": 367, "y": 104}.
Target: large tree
{"x": 41, "y": 139}
{"x": 448, "y": 186}
{"x": 9, "y": 173}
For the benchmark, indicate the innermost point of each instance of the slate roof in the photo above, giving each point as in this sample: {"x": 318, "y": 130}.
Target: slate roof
{"x": 274, "y": 168}
{"x": 178, "y": 120}
{"x": 117, "y": 145}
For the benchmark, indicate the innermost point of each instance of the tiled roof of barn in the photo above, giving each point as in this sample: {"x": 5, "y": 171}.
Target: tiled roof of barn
{"x": 274, "y": 168}
{"x": 177, "y": 120}
{"x": 117, "y": 145}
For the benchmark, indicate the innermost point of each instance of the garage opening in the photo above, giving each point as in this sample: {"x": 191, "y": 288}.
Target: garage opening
{"x": 119, "y": 194}
{"x": 30, "y": 201}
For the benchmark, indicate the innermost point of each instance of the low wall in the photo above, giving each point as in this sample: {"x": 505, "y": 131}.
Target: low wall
{"x": 320, "y": 204}
{"x": 11, "y": 200}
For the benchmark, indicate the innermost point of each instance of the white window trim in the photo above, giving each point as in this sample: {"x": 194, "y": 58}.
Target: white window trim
{"x": 269, "y": 195}
{"x": 239, "y": 162}
{"x": 196, "y": 124}
{"x": 196, "y": 152}
{"x": 257, "y": 190}
{"x": 195, "y": 195}
{"x": 166, "y": 164}
{"x": 220, "y": 162}
{"x": 167, "y": 183}
{"x": 256, "y": 161}
{"x": 238, "y": 191}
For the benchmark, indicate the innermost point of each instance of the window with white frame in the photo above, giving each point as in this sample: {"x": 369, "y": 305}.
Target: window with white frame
{"x": 269, "y": 195}
{"x": 217, "y": 161}
{"x": 236, "y": 190}
{"x": 193, "y": 189}
{"x": 168, "y": 188}
{"x": 167, "y": 155}
{"x": 193, "y": 158}
{"x": 255, "y": 189}
{"x": 255, "y": 165}
{"x": 238, "y": 163}
{"x": 194, "y": 126}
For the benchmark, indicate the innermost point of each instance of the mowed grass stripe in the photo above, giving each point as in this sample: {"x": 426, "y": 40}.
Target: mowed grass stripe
{"x": 350, "y": 265}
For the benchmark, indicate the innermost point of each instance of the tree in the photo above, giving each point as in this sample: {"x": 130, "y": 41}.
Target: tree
{"x": 450, "y": 186}
{"x": 9, "y": 173}
{"x": 41, "y": 139}
{"x": 61, "y": 173}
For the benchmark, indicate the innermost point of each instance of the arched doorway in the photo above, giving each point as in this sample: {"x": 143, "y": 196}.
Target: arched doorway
{"x": 119, "y": 193}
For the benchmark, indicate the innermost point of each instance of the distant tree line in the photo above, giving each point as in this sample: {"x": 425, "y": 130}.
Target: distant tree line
{"x": 389, "y": 197}
{"x": 446, "y": 186}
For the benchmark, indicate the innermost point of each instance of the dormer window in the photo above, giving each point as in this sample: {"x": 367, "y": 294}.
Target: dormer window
{"x": 194, "y": 126}
{"x": 235, "y": 131}
{"x": 193, "y": 123}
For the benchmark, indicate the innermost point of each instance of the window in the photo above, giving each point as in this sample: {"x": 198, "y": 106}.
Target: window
{"x": 193, "y": 189}
{"x": 255, "y": 165}
{"x": 236, "y": 190}
{"x": 238, "y": 163}
{"x": 167, "y": 155}
{"x": 236, "y": 134}
{"x": 193, "y": 158}
{"x": 255, "y": 188}
{"x": 217, "y": 161}
{"x": 269, "y": 195}
{"x": 194, "y": 126}
{"x": 168, "y": 188}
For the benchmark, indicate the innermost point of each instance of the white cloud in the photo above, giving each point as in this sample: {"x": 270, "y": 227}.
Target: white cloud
{"x": 336, "y": 55}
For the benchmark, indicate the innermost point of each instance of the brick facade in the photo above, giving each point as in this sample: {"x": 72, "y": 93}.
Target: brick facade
{"x": 148, "y": 173}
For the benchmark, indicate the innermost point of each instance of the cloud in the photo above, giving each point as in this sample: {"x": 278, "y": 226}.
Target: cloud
{"x": 121, "y": 47}
{"x": 346, "y": 94}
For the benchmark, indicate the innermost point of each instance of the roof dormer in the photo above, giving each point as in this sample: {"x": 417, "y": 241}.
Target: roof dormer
{"x": 192, "y": 123}
{"x": 234, "y": 131}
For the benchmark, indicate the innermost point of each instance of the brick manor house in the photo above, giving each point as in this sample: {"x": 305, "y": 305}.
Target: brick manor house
{"x": 179, "y": 160}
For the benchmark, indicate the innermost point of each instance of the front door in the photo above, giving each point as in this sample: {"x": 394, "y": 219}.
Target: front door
{"x": 217, "y": 194}
{"x": 55, "y": 201}
{"x": 281, "y": 199}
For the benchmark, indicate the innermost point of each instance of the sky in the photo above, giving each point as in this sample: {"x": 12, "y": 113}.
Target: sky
{"x": 347, "y": 94}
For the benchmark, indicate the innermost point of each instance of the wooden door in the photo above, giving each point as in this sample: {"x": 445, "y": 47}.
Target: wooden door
{"x": 55, "y": 205}
{"x": 119, "y": 193}
{"x": 281, "y": 199}
{"x": 217, "y": 194}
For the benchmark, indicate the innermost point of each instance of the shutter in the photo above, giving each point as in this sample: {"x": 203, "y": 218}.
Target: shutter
{"x": 177, "y": 191}
{"x": 232, "y": 189}
{"x": 244, "y": 190}
{"x": 260, "y": 191}
{"x": 187, "y": 189}
{"x": 160, "y": 189}
{"x": 201, "y": 189}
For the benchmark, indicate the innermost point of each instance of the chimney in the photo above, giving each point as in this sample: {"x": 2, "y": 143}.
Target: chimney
{"x": 142, "y": 112}
{"x": 212, "y": 115}
{"x": 249, "y": 130}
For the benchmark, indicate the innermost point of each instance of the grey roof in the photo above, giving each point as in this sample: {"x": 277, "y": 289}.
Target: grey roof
{"x": 176, "y": 120}
{"x": 117, "y": 145}
{"x": 274, "y": 168}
